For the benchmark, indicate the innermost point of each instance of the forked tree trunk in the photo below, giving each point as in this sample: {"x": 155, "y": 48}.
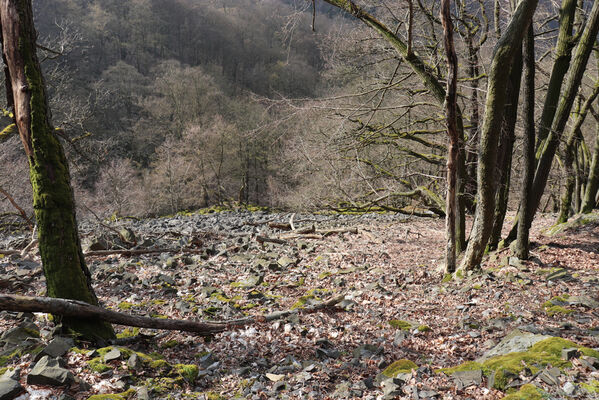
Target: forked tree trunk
{"x": 66, "y": 274}
{"x": 522, "y": 244}
{"x": 504, "y": 54}
{"x": 452, "y": 132}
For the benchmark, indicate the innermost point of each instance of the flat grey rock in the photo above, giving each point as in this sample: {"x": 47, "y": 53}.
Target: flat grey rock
{"x": 464, "y": 379}
{"x": 516, "y": 340}
{"x": 48, "y": 371}
{"x": 9, "y": 389}
{"x": 57, "y": 347}
{"x": 113, "y": 354}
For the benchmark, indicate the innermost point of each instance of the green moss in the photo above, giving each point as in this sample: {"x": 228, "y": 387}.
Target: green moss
{"x": 128, "y": 332}
{"x": 399, "y": 324}
{"x": 526, "y": 392}
{"x": 125, "y": 305}
{"x": 301, "y": 302}
{"x": 188, "y": 371}
{"x": 552, "y": 310}
{"x": 160, "y": 365}
{"x": 324, "y": 275}
{"x": 467, "y": 366}
{"x": 592, "y": 387}
{"x": 169, "y": 344}
{"x": 158, "y": 302}
{"x": 399, "y": 366}
{"x": 543, "y": 353}
{"x": 447, "y": 278}
{"x": 213, "y": 396}
{"x": 120, "y": 396}
{"x": 97, "y": 365}
{"x": 424, "y": 328}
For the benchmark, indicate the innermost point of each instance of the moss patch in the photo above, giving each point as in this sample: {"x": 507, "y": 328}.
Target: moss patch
{"x": 119, "y": 396}
{"x": 543, "y": 353}
{"x": 424, "y": 328}
{"x": 128, "y": 332}
{"x": 591, "y": 387}
{"x": 188, "y": 371}
{"x": 398, "y": 367}
{"x": 526, "y": 392}
{"x": 399, "y": 324}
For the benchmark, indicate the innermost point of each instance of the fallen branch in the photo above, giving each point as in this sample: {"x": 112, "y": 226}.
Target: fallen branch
{"x": 265, "y": 239}
{"x": 334, "y": 231}
{"x": 79, "y": 309}
{"x": 22, "y": 212}
{"x": 9, "y": 252}
{"x": 135, "y": 252}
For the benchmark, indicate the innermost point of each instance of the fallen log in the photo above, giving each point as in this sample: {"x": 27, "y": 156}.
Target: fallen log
{"x": 79, "y": 309}
{"x": 333, "y": 231}
{"x": 134, "y": 252}
{"x": 265, "y": 239}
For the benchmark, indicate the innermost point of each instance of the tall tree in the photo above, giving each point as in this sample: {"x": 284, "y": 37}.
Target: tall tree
{"x": 66, "y": 273}
{"x": 528, "y": 113}
{"x": 452, "y": 132}
{"x": 505, "y": 51}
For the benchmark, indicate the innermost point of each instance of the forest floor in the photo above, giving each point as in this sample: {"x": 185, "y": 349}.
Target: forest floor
{"x": 398, "y": 307}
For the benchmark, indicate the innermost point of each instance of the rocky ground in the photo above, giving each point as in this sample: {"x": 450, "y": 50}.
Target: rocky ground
{"x": 403, "y": 331}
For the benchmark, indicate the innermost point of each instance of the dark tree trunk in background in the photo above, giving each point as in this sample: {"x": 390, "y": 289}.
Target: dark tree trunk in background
{"x": 528, "y": 150}
{"x": 590, "y": 193}
{"x": 66, "y": 274}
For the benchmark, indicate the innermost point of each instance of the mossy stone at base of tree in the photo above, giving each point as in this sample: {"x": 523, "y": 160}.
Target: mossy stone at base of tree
{"x": 591, "y": 387}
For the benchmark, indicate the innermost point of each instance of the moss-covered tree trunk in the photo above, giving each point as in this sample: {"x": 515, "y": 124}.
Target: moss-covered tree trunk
{"x": 66, "y": 274}
{"x": 528, "y": 112}
{"x": 506, "y": 147}
{"x": 505, "y": 51}
{"x": 572, "y": 85}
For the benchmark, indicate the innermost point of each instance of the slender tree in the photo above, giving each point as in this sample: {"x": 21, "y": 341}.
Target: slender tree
{"x": 66, "y": 273}
{"x": 528, "y": 112}
{"x": 452, "y": 132}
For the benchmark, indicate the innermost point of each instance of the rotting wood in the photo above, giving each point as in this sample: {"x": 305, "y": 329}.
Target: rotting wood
{"x": 79, "y": 309}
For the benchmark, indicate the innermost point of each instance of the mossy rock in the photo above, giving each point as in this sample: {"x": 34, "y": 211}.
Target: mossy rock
{"x": 424, "y": 328}
{"x": 575, "y": 222}
{"x": 592, "y": 387}
{"x": 305, "y": 300}
{"x": 526, "y": 392}
{"x": 402, "y": 366}
{"x": 127, "y": 333}
{"x": 467, "y": 366}
{"x": 188, "y": 371}
{"x": 129, "y": 394}
{"x": 399, "y": 324}
{"x": 543, "y": 353}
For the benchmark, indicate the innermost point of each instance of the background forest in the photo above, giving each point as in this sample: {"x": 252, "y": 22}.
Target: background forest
{"x": 169, "y": 105}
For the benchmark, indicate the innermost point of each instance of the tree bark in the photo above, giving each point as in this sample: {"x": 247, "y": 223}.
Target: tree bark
{"x": 589, "y": 199}
{"x": 573, "y": 81}
{"x": 522, "y": 244}
{"x": 506, "y": 147}
{"x": 452, "y": 132}
{"x": 572, "y": 174}
{"x": 504, "y": 54}
{"x": 66, "y": 274}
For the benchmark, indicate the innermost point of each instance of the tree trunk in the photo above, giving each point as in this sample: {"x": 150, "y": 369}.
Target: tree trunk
{"x": 66, "y": 274}
{"x": 506, "y": 147}
{"x": 573, "y": 81}
{"x": 589, "y": 199}
{"x": 504, "y": 54}
{"x": 452, "y": 132}
{"x": 528, "y": 112}
{"x": 573, "y": 176}
{"x": 563, "y": 54}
